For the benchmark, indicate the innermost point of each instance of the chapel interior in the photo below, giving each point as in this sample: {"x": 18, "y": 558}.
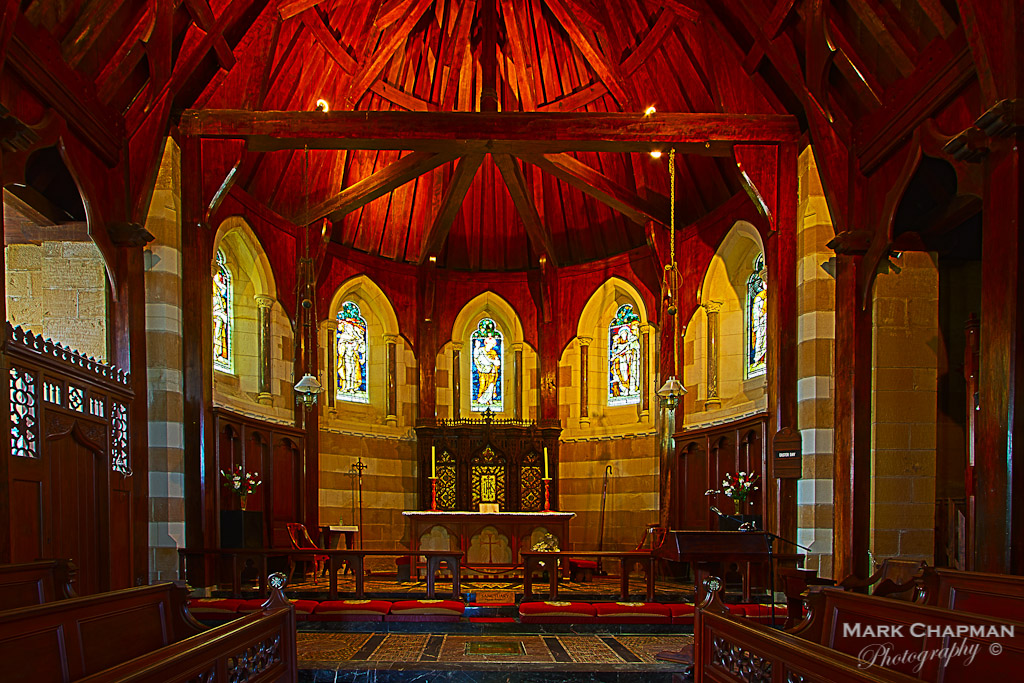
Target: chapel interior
{"x": 480, "y": 276}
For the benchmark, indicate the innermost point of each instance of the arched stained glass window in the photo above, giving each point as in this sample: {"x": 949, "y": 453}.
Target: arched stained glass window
{"x": 757, "y": 320}
{"x": 486, "y": 347}
{"x": 223, "y": 313}
{"x": 624, "y": 358}
{"x": 352, "y": 355}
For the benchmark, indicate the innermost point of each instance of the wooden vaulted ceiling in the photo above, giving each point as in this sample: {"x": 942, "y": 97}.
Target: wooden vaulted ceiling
{"x": 839, "y": 66}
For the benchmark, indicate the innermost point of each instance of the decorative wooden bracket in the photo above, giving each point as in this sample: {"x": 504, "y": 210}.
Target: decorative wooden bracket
{"x": 128, "y": 234}
{"x": 851, "y": 242}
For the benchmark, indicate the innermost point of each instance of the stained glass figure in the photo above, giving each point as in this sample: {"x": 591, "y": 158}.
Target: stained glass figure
{"x": 624, "y": 361}
{"x": 352, "y": 355}
{"x": 486, "y": 369}
{"x": 757, "y": 320}
{"x": 223, "y": 313}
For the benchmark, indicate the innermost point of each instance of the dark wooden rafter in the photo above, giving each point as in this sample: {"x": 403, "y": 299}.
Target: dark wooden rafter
{"x": 606, "y": 70}
{"x": 203, "y": 16}
{"x": 601, "y": 188}
{"x": 542, "y": 132}
{"x": 378, "y": 184}
{"x": 887, "y": 28}
{"x": 394, "y": 38}
{"x": 287, "y": 10}
{"x": 88, "y": 28}
{"x": 682, "y": 9}
{"x": 456, "y": 191}
{"x": 539, "y": 235}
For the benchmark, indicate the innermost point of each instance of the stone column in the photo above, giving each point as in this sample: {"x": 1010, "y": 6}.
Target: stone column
{"x": 645, "y": 370}
{"x": 456, "y": 380}
{"x": 585, "y": 379}
{"x": 329, "y": 330}
{"x": 391, "y": 400}
{"x": 712, "y": 309}
{"x": 517, "y": 380}
{"x": 264, "y": 304}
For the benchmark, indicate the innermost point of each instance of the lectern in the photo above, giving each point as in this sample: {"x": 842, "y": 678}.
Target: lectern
{"x": 705, "y": 549}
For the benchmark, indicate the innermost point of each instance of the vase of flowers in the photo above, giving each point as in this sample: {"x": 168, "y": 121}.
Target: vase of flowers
{"x": 241, "y": 483}
{"x": 739, "y": 487}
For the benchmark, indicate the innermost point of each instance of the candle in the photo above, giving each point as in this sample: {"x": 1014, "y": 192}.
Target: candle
{"x": 546, "y": 476}
{"x": 433, "y": 461}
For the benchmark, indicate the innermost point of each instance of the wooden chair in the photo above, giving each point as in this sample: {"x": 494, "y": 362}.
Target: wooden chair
{"x": 300, "y": 539}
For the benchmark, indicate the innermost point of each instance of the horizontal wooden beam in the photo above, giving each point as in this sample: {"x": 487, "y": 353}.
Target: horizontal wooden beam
{"x": 378, "y": 184}
{"x": 601, "y": 187}
{"x": 531, "y": 132}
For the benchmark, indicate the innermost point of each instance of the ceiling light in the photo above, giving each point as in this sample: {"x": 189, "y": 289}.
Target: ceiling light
{"x": 656, "y": 154}
{"x": 321, "y": 105}
{"x": 650, "y": 110}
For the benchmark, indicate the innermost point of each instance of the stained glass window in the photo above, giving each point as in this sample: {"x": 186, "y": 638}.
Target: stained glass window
{"x": 223, "y": 313}
{"x": 352, "y": 355}
{"x": 624, "y": 361}
{"x": 485, "y": 371}
{"x": 757, "y": 320}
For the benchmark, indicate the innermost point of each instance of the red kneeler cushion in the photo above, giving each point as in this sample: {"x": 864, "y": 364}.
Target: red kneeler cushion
{"x": 682, "y": 612}
{"x": 583, "y": 564}
{"x": 633, "y": 613}
{"x": 214, "y": 609}
{"x": 426, "y": 610}
{"x": 556, "y": 612}
{"x": 763, "y": 613}
{"x": 351, "y": 610}
{"x": 303, "y": 608}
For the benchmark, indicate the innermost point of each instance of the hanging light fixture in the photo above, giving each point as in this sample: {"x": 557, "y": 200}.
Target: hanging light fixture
{"x": 672, "y": 389}
{"x": 307, "y": 389}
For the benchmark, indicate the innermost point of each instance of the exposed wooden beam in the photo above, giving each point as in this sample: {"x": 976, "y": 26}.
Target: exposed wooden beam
{"x": 89, "y": 25}
{"x": 290, "y": 9}
{"x": 601, "y": 187}
{"x": 203, "y": 15}
{"x": 365, "y": 76}
{"x": 456, "y": 191}
{"x": 528, "y": 132}
{"x": 886, "y": 29}
{"x": 681, "y": 9}
{"x": 315, "y": 23}
{"x": 605, "y": 69}
{"x": 222, "y": 191}
{"x": 539, "y": 235}
{"x": 378, "y": 184}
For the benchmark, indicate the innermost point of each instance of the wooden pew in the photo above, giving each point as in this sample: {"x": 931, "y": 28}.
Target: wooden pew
{"x": 727, "y": 648}
{"x": 994, "y": 595}
{"x": 900, "y": 635}
{"x": 36, "y": 583}
{"x": 146, "y": 634}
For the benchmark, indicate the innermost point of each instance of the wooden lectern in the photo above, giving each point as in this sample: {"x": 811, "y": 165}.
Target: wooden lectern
{"x": 706, "y": 549}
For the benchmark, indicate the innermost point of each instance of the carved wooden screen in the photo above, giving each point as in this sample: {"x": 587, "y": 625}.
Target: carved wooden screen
{"x": 531, "y": 482}
{"x": 488, "y": 478}
{"x": 447, "y": 486}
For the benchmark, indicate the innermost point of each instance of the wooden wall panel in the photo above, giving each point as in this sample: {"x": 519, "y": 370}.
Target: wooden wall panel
{"x": 27, "y": 534}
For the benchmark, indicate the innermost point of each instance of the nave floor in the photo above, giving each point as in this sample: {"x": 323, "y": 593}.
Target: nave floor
{"x": 480, "y": 657}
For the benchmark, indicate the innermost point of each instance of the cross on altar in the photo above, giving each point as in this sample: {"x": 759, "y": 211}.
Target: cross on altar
{"x": 488, "y": 541}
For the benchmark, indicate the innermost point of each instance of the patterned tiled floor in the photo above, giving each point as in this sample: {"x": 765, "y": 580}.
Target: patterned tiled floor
{"x": 333, "y": 650}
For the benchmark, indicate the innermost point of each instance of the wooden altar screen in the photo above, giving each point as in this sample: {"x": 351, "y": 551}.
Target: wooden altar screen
{"x": 488, "y": 460}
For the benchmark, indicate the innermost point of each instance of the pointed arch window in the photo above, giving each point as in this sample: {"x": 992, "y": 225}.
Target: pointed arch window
{"x": 757, "y": 320}
{"x": 353, "y": 352}
{"x": 624, "y": 357}
{"x": 223, "y": 313}
{"x": 486, "y": 348}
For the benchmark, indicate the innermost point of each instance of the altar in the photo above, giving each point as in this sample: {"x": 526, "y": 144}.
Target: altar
{"x": 487, "y": 538}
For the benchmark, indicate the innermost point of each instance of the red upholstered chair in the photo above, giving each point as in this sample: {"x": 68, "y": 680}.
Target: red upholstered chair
{"x": 301, "y": 541}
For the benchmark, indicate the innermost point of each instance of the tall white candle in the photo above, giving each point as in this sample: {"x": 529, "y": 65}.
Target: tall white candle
{"x": 433, "y": 461}
{"x": 546, "y": 475}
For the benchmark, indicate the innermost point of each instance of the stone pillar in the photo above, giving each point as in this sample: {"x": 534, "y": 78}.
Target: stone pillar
{"x": 816, "y": 332}
{"x": 264, "y": 304}
{"x": 391, "y": 399}
{"x": 456, "y": 380}
{"x": 585, "y": 379}
{"x": 712, "y": 309}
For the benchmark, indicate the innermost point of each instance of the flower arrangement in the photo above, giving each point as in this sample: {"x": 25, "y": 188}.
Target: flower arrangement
{"x": 739, "y": 487}
{"x": 241, "y": 483}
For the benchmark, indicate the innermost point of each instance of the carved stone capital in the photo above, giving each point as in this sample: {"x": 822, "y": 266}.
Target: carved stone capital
{"x": 585, "y": 341}
{"x": 390, "y": 338}
{"x": 264, "y": 301}
{"x": 457, "y": 346}
{"x": 712, "y": 306}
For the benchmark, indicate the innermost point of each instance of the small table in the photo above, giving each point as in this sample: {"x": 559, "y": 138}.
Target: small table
{"x": 355, "y": 558}
{"x": 328, "y": 541}
{"x": 629, "y": 559}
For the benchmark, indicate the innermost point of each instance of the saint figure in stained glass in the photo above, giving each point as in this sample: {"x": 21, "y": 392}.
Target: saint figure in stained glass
{"x": 352, "y": 353}
{"x": 624, "y": 362}
{"x": 486, "y": 343}
{"x": 223, "y": 318}
{"x": 757, "y": 320}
